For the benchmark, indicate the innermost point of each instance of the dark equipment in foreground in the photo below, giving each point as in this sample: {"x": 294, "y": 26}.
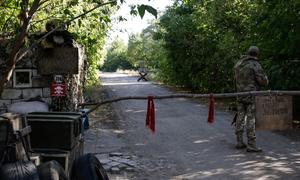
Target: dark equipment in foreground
{"x": 39, "y": 146}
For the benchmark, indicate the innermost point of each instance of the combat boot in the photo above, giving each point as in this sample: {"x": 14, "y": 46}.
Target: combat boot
{"x": 240, "y": 144}
{"x": 252, "y": 146}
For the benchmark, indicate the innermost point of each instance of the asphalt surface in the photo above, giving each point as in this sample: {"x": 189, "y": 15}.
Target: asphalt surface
{"x": 184, "y": 145}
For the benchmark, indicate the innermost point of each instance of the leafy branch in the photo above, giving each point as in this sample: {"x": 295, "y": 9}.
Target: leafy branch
{"x": 61, "y": 25}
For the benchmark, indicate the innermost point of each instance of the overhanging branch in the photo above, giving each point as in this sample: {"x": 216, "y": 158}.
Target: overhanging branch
{"x": 61, "y": 25}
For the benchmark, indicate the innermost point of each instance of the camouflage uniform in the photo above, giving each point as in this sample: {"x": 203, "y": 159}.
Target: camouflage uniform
{"x": 249, "y": 76}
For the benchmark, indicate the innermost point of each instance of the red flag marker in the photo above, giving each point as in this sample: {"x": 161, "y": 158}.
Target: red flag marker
{"x": 150, "y": 118}
{"x": 211, "y": 113}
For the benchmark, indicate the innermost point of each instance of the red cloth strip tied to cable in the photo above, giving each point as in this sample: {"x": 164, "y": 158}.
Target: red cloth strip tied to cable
{"x": 211, "y": 113}
{"x": 150, "y": 118}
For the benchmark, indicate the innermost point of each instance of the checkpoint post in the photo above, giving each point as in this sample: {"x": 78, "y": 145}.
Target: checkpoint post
{"x": 142, "y": 71}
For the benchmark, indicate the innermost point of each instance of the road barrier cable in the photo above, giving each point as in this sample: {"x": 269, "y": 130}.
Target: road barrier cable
{"x": 216, "y": 96}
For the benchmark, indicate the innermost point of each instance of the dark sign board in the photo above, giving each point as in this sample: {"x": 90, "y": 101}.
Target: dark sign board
{"x": 58, "y": 61}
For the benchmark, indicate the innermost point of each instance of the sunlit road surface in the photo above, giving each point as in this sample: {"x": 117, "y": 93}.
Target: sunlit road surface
{"x": 185, "y": 146}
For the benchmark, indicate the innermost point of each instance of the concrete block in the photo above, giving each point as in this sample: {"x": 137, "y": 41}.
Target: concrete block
{"x": 274, "y": 112}
{"x": 106, "y": 167}
{"x": 115, "y": 170}
{"x": 11, "y": 94}
{"x": 9, "y": 84}
{"x": 2, "y": 111}
{"x": 31, "y": 93}
{"x": 131, "y": 163}
{"x": 4, "y": 102}
{"x": 113, "y": 164}
{"x": 24, "y": 63}
{"x": 40, "y": 81}
{"x": 129, "y": 169}
{"x": 18, "y": 100}
{"x": 116, "y": 154}
{"x": 105, "y": 161}
{"x": 122, "y": 166}
{"x": 46, "y": 92}
{"x": 35, "y": 73}
{"x": 28, "y": 107}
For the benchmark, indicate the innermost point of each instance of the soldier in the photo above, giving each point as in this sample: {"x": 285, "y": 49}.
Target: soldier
{"x": 249, "y": 76}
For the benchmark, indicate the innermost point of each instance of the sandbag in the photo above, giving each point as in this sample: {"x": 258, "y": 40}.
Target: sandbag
{"x": 28, "y": 107}
{"x": 51, "y": 170}
{"x": 19, "y": 171}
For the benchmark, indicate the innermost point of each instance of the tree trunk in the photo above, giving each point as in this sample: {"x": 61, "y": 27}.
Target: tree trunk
{"x": 19, "y": 41}
{"x": 15, "y": 54}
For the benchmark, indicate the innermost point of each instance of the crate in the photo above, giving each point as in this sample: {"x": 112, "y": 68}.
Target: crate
{"x": 63, "y": 157}
{"x": 55, "y": 130}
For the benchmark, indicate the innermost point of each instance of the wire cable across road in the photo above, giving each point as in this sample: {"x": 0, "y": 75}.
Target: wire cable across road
{"x": 216, "y": 96}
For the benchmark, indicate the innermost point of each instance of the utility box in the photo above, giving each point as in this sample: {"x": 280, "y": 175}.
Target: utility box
{"x": 274, "y": 112}
{"x": 59, "y": 61}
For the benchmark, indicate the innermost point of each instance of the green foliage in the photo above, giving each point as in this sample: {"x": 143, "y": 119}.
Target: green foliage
{"x": 197, "y": 56}
{"x": 195, "y": 43}
{"x": 204, "y": 39}
{"x": 89, "y": 31}
{"x": 142, "y": 8}
{"x": 143, "y": 47}
{"x": 116, "y": 58}
{"x": 279, "y": 38}
{"x": 8, "y": 19}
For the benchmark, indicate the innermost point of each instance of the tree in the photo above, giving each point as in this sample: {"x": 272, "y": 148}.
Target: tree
{"x": 204, "y": 39}
{"x": 24, "y": 16}
{"x": 26, "y": 11}
{"x": 279, "y": 38}
{"x": 144, "y": 47}
{"x": 116, "y": 57}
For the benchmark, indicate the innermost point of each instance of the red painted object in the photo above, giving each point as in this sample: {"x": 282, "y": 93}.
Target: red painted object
{"x": 150, "y": 118}
{"x": 58, "y": 89}
{"x": 211, "y": 113}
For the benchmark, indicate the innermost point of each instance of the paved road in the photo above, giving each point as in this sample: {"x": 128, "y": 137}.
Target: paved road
{"x": 185, "y": 146}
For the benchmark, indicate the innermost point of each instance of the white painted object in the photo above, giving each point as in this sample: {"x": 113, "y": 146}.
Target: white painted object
{"x": 28, "y": 107}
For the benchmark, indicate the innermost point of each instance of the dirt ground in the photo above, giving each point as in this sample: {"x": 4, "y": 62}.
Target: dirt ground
{"x": 102, "y": 139}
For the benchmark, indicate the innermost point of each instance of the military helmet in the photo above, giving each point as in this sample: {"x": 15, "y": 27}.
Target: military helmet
{"x": 253, "y": 51}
